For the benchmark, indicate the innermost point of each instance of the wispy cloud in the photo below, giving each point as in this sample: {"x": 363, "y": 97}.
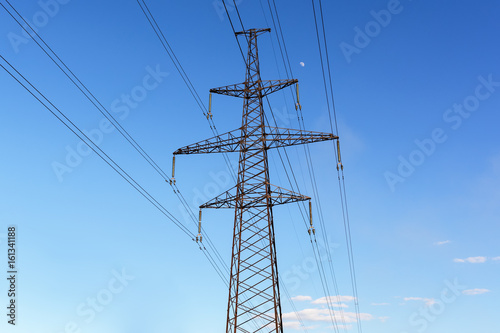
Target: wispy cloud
{"x": 496, "y": 258}
{"x": 301, "y": 298}
{"x": 333, "y": 299}
{"x": 442, "y": 242}
{"x": 380, "y": 304}
{"x": 472, "y": 292}
{"x": 427, "y": 301}
{"x": 471, "y": 260}
{"x": 383, "y": 319}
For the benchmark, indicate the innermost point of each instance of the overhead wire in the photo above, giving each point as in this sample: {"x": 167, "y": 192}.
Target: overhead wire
{"x": 91, "y": 97}
{"x": 325, "y": 289}
{"x": 82, "y": 87}
{"x": 310, "y": 167}
{"x": 342, "y": 189}
{"x": 26, "y": 84}
{"x": 239, "y": 45}
{"x": 174, "y": 59}
{"x": 322, "y": 274}
{"x": 180, "y": 69}
{"x": 170, "y": 52}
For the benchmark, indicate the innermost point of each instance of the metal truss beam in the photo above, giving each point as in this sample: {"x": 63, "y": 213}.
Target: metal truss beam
{"x": 274, "y": 137}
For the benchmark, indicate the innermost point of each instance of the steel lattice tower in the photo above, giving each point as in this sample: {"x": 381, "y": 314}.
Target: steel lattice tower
{"x": 254, "y": 298}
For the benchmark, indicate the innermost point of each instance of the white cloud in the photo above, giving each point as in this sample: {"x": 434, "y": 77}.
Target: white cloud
{"x": 427, "y": 301}
{"x": 295, "y": 325}
{"x": 383, "y": 319}
{"x": 324, "y": 315}
{"x": 341, "y": 327}
{"x": 380, "y": 304}
{"x": 471, "y": 260}
{"x": 443, "y": 242}
{"x": 334, "y": 300}
{"x": 496, "y": 258}
{"x": 301, "y": 298}
{"x": 302, "y": 64}
{"x": 472, "y": 292}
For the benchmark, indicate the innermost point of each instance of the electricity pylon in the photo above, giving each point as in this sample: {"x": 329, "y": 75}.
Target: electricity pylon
{"x": 254, "y": 297}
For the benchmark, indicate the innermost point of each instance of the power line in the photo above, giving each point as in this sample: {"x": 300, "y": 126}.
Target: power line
{"x": 328, "y": 64}
{"x": 322, "y": 274}
{"x": 347, "y": 228}
{"x": 170, "y": 52}
{"x": 82, "y": 136}
{"x": 180, "y": 69}
{"x": 76, "y": 81}
{"x": 237, "y": 40}
{"x": 308, "y": 157}
{"x": 83, "y": 88}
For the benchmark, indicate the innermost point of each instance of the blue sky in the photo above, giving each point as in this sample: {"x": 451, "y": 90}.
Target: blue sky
{"x": 417, "y": 95}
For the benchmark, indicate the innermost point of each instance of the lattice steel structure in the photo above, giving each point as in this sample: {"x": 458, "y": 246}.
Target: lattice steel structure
{"x": 254, "y": 298}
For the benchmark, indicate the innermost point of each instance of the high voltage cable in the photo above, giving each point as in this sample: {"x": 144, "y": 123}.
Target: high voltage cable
{"x": 88, "y": 94}
{"x": 232, "y": 27}
{"x": 323, "y": 67}
{"x": 309, "y": 164}
{"x": 180, "y": 69}
{"x": 279, "y": 32}
{"x": 328, "y": 64}
{"x": 83, "y": 89}
{"x": 321, "y": 269}
{"x": 174, "y": 59}
{"x": 237, "y": 40}
{"x": 138, "y": 146}
{"x": 342, "y": 189}
{"x": 324, "y": 283}
{"x": 322, "y": 274}
{"x": 166, "y": 45}
{"x": 84, "y": 138}
{"x": 308, "y": 156}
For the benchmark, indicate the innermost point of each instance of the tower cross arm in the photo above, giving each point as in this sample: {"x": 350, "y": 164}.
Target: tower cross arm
{"x": 277, "y": 196}
{"x": 242, "y": 90}
{"x": 224, "y": 143}
{"x": 277, "y": 137}
{"x": 274, "y": 137}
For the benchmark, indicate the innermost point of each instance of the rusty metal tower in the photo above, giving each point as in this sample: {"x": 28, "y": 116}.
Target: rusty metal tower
{"x": 254, "y": 296}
